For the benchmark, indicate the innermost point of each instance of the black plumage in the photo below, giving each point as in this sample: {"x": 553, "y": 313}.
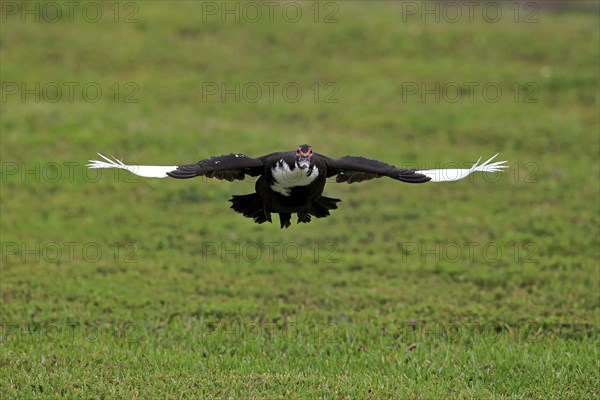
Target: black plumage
{"x": 291, "y": 182}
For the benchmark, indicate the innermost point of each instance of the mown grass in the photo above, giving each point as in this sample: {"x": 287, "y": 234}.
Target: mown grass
{"x": 486, "y": 288}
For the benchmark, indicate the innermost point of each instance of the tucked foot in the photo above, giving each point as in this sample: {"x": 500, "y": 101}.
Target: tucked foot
{"x": 285, "y": 220}
{"x": 303, "y": 217}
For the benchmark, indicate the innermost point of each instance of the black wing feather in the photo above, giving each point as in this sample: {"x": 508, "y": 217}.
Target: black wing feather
{"x": 353, "y": 169}
{"x": 228, "y": 167}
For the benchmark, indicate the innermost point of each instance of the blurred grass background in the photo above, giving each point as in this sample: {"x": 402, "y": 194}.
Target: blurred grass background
{"x": 171, "y": 316}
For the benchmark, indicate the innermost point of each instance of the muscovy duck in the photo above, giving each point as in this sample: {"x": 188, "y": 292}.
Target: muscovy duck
{"x": 293, "y": 182}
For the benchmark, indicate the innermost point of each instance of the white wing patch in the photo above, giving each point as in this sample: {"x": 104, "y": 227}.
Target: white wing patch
{"x": 451, "y": 175}
{"x": 285, "y": 178}
{"x": 146, "y": 171}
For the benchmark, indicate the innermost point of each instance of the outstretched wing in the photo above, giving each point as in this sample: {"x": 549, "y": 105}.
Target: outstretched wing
{"x": 229, "y": 167}
{"x": 357, "y": 169}
{"x": 147, "y": 171}
{"x": 451, "y": 175}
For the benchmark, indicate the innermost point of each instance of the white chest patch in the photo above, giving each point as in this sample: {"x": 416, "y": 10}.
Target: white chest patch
{"x": 285, "y": 178}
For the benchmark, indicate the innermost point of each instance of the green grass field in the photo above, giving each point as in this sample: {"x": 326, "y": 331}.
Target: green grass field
{"x": 115, "y": 286}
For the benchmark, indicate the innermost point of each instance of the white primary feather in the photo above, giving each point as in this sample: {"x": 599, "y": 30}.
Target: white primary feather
{"x": 146, "y": 171}
{"x": 451, "y": 175}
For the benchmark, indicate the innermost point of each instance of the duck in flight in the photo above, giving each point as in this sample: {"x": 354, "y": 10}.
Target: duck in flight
{"x": 293, "y": 182}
